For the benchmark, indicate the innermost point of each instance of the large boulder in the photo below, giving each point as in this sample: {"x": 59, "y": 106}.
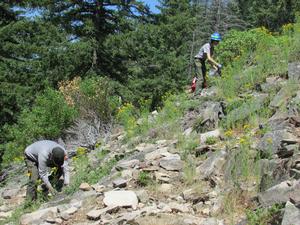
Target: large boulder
{"x": 294, "y": 71}
{"x": 291, "y": 215}
{"x": 212, "y": 165}
{"x": 272, "y": 141}
{"x": 171, "y": 163}
{"x": 279, "y": 193}
{"x": 207, "y": 115}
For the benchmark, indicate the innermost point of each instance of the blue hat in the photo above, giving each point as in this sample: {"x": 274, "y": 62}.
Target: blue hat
{"x": 216, "y": 37}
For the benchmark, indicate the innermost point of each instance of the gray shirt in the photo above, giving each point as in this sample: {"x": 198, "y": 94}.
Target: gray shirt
{"x": 39, "y": 152}
{"x": 204, "y": 50}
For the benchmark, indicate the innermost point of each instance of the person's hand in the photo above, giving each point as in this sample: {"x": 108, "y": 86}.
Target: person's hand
{"x": 219, "y": 66}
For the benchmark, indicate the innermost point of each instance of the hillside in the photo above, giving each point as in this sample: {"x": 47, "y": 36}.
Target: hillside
{"x": 228, "y": 155}
{"x": 111, "y": 82}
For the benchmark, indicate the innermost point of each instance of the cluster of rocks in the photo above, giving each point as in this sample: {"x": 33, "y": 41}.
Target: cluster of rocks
{"x": 120, "y": 199}
{"x": 124, "y": 198}
{"x": 280, "y": 148}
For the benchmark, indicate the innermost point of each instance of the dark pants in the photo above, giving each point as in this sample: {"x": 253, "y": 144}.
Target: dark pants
{"x": 33, "y": 172}
{"x": 32, "y": 167}
{"x": 201, "y": 66}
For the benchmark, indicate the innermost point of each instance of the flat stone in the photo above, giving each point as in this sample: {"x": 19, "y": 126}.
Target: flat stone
{"x": 295, "y": 197}
{"x": 106, "y": 218}
{"x": 188, "y": 131}
{"x": 151, "y": 168}
{"x": 76, "y": 203}
{"x": 127, "y": 174}
{"x": 211, "y": 134}
{"x": 9, "y": 194}
{"x": 171, "y": 163}
{"x": 166, "y": 188}
{"x": 51, "y": 220}
{"x": 120, "y": 183}
{"x": 124, "y": 165}
{"x": 291, "y": 215}
{"x": 6, "y": 208}
{"x": 195, "y": 196}
{"x": 5, "y": 215}
{"x": 95, "y": 214}
{"x": 58, "y": 221}
{"x": 157, "y": 154}
{"x": 183, "y": 208}
{"x": 145, "y": 147}
{"x": 121, "y": 199}
{"x": 142, "y": 195}
{"x": 203, "y": 149}
{"x": 212, "y": 165}
{"x": 85, "y": 187}
{"x": 37, "y": 216}
{"x": 71, "y": 210}
{"x": 279, "y": 193}
{"x": 162, "y": 177}
{"x": 98, "y": 188}
{"x": 65, "y": 216}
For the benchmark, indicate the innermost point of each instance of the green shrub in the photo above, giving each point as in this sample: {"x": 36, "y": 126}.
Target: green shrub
{"x": 48, "y": 117}
{"x": 250, "y": 57}
{"x": 295, "y": 49}
{"x": 238, "y": 43}
{"x": 245, "y": 166}
{"x": 85, "y": 173}
{"x": 144, "y": 178}
{"x": 245, "y": 110}
{"x": 271, "y": 215}
{"x": 91, "y": 96}
{"x": 211, "y": 140}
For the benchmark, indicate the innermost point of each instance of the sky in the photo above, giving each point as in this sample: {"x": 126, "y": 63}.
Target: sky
{"x": 152, "y": 4}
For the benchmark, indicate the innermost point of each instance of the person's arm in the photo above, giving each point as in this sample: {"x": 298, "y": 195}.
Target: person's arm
{"x": 212, "y": 61}
{"x": 210, "y": 58}
{"x": 43, "y": 172}
{"x": 66, "y": 172}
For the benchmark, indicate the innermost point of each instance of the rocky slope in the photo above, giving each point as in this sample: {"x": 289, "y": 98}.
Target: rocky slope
{"x": 155, "y": 182}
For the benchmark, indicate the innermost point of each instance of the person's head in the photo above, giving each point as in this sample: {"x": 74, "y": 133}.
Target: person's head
{"x": 58, "y": 156}
{"x": 215, "y": 38}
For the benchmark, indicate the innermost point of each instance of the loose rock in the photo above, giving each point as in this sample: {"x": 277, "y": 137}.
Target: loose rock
{"x": 85, "y": 187}
{"x": 121, "y": 199}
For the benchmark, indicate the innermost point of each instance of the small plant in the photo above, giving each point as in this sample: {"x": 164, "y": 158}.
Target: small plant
{"x": 127, "y": 116}
{"x": 211, "y": 140}
{"x": 245, "y": 166}
{"x": 235, "y": 203}
{"x": 85, "y": 173}
{"x": 187, "y": 145}
{"x": 189, "y": 172}
{"x": 271, "y": 215}
{"x": 144, "y": 178}
{"x": 198, "y": 125}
